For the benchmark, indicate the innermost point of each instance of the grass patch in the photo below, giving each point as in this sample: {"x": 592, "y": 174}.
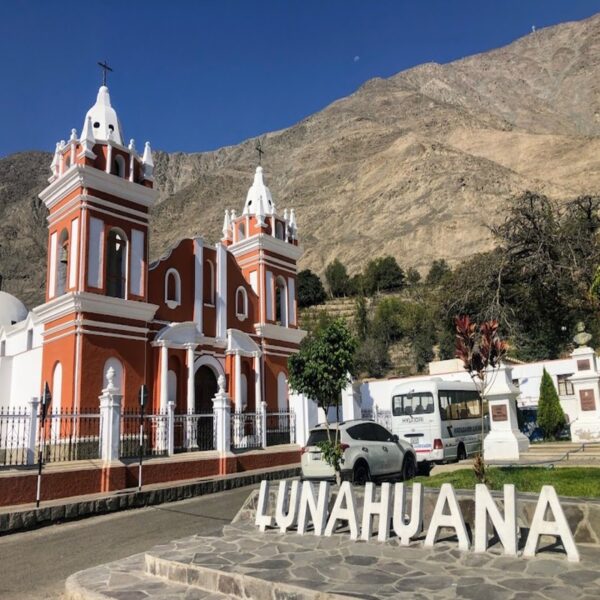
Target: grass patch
{"x": 568, "y": 481}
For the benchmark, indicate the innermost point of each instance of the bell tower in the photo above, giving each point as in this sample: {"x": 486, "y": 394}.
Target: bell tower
{"x": 96, "y": 309}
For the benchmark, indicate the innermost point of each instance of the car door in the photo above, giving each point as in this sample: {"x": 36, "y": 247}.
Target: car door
{"x": 378, "y": 452}
{"x": 392, "y": 453}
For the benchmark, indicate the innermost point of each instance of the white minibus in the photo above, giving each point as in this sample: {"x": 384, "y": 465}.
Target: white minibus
{"x": 441, "y": 419}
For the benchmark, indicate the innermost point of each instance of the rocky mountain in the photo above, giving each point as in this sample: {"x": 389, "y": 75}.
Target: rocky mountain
{"x": 417, "y": 165}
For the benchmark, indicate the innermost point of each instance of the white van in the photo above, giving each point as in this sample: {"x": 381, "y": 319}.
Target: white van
{"x": 441, "y": 419}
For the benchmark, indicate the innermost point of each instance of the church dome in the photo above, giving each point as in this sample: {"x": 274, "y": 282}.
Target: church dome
{"x": 259, "y": 201}
{"x": 12, "y": 310}
{"x": 105, "y": 123}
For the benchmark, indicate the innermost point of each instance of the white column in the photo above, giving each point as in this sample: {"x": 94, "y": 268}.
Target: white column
{"x": 32, "y": 431}
{"x": 257, "y": 381}
{"x": 585, "y": 424}
{"x": 306, "y": 416}
{"x": 164, "y": 370}
{"x": 110, "y": 419}
{"x": 108, "y": 157}
{"x": 238, "y": 382}
{"x": 261, "y": 417}
{"x": 504, "y": 442}
{"x": 222, "y": 411}
{"x": 171, "y": 427}
{"x": 191, "y": 397}
{"x": 351, "y": 408}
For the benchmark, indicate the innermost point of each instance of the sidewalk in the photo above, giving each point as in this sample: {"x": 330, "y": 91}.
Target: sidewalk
{"x": 27, "y": 516}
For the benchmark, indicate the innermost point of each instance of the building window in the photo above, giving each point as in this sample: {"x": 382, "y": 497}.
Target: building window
{"x": 116, "y": 264}
{"x": 118, "y": 166}
{"x": 565, "y": 387}
{"x": 241, "y": 304}
{"x": 172, "y": 289}
{"x": 279, "y": 230}
{"x": 209, "y": 282}
{"x": 29, "y": 339}
{"x": 62, "y": 263}
{"x": 3, "y": 348}
{"x": 281, "y": 302}
{"x": 241, "y": 231}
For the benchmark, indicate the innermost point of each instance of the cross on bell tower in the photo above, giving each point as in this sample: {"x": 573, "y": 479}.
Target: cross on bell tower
{"x": 259, "y": 150}
{"x": 105, "y": 68}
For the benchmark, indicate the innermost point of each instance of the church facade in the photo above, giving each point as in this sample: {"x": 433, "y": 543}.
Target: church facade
{"x": 174, "y": 325}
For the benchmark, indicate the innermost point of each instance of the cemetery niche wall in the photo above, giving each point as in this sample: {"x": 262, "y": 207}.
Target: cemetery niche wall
{"x": 303, "y": 507}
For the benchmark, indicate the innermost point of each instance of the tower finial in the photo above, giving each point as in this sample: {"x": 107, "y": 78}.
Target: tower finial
{"x": 259, "y": 150}
{"x": 104, "y": 66}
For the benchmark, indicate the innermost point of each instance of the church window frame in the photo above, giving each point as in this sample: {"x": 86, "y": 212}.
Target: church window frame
{"x": 172, "y": 288}
{"x": 241, "y": 303}
{"x": 241, "y": 230}
{"x": 281, "y": 303}
{"x": 62, "y": 263}
{"x": 116, "y": 283}
{"x": 279, "y": 230}
{"x": 210, "y": 287}
{"x": 118, "y": 166}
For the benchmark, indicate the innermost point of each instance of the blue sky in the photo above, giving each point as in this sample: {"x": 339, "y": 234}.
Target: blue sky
{"x": 197, "y": 75}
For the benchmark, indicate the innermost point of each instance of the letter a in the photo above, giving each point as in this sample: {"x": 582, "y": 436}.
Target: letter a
{"x": 407, "y": 530}
{"x": 506, "y": 527}
{"x": 347, "y": 513}
{"x": 559, "y": 527}
{"x": 262, "y": 519}
{"x": 454, "y": 520}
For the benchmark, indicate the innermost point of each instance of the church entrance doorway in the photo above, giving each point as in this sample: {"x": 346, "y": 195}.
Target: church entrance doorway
{"x": 206, "y": 387}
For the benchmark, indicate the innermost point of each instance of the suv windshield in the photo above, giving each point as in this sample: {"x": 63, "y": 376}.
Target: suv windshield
{"x": 407, "y": 405}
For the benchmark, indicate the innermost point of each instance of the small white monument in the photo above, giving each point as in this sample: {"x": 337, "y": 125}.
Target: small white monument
{"x": 504, "y": 442}
{"x": 585, "y": 423}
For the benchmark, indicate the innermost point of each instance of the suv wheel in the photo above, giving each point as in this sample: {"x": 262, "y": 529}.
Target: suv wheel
{"x": 361, "y": 473}
{"x": 409, "y": 468}
{"x": 461, "y": 453}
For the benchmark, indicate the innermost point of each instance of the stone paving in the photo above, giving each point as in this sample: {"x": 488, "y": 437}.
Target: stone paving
{"x": 244, "y": 563}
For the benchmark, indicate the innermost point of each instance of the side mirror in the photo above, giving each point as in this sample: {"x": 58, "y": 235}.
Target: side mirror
{"x": 395, "y": 439}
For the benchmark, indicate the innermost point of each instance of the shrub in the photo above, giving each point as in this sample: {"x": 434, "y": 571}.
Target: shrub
{"x": 550, "y": 415}
{"x": 383, "y": 275}
{"x": 336, "y": 276}
{"x": 310, "y": 289}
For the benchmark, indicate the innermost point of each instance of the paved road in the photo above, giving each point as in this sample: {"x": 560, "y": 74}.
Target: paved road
{"x": 35, "y": 564}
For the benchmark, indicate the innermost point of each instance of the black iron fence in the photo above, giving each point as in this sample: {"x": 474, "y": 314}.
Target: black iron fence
{"x": 14, "y": 436}
{"x": 245, "y": 430}
{"x": 148, "y": 433}
{"x": 280, "y": 428}
{"x": 195, "y": 432}
{"x": 68, "y": 435}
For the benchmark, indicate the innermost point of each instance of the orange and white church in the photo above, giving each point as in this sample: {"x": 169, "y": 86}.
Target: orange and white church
{"x": 176, "y": 324}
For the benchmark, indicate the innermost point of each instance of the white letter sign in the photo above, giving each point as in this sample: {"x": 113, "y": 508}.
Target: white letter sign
{"x": 316, "y": 508}
{"x": 407, "y": 530}
{"x": 454, "y": 520}
{"x": 263, "y": 520}
{"x": 382, "y": 509}
{"x": 287, "y": 507}
{"x": 341, "y": 513}
{"x": 505, "y": 527}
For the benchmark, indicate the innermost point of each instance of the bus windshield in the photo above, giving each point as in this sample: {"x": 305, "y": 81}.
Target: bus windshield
{"x": 407, "y": 405}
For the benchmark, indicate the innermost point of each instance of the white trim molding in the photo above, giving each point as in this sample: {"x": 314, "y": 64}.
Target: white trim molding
{"x": 283, "y": 334}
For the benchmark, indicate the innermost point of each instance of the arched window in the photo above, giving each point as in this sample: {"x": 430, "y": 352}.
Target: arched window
{"x": 241, "y": 304}
{"x": 116, "y": 264}
{"x": 241, "y": 231}
{"x": 281, "y": 302}
{"x": 118, "y": 166}
{"x": 209, "y": 282}
{"x": 279, "y": 230}
{"x": 172, "y": 386}
{"x": 172, "y": 288}
{"x": 62, "y": 262}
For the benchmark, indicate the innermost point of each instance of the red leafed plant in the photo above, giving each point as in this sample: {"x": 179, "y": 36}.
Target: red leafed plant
{"x": 480, "y": 349}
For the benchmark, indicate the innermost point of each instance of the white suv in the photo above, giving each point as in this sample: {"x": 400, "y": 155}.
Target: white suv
{"x": 370, "y": 452}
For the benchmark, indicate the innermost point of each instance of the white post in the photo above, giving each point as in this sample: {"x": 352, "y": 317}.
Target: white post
{"x": 238, "y": 382}
{"x": 504, "y": 441}
{"x": 306, "y": 417}
{"x": 222, "y": 411}
{"x": 262, "y": 423}
{"x": 191, "y": 398}
{"x": 110, "y": 419}
{"x": 350, "y": 406}
{"x": 32, "y": 430}
{"x": 257, "y": 380}
{"x": 585, "y": 423}
{"x": 164, "y": 370}
{"x": 171, "y": 428}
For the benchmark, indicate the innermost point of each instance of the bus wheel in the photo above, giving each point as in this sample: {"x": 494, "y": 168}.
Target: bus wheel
{"x": 409, "y": 468}
{"x": 361, "y": 473}
{"x": 461, "y": 453}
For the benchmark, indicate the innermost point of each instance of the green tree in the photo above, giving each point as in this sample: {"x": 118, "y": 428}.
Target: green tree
{"x": 336, "y": 276}
{"x": 413, "y": 276}
{"x": 387, "y": 325}
{"x": 383, "y": 274}
{"x": 310, "y": 289}
{"x": 372, "y": 358}
{"x": 550, "y": 415}
{"x": 361, "y": 318}
{"x": 438, "y": 271}
{"x": 320, "y": 371}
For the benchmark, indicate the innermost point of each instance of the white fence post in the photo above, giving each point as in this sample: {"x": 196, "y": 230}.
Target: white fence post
{"x": 170, "y": 428}
{"x": 32, "y": 431}
{"x": 262, "y": 421}
{"x": 222, "y": 411}
{"x": 110, "y": 419}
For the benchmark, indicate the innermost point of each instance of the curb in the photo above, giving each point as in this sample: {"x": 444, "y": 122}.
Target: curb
{"x": 34, "y": 518}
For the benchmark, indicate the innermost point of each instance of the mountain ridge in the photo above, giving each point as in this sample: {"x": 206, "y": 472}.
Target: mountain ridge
{"x": 406, "y": 165}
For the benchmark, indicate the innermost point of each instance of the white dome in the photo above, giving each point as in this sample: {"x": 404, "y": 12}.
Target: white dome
{"x": 259, "y": 201}
{"x": 12, "y": 310}
{"x": 105, "y": 123}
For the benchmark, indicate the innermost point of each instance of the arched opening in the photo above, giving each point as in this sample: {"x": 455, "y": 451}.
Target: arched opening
{"x": 62, "y": 262}
{"x": 241, "y": 231}
{"x": 206, "y": 387}
{"x": 279, "y": 230}
{"x": 116, "y": 264}
{"x": 241, "y": 304}
{"x": 281, "y": 302}
{"x": 209, "y": 282}
{"x": 118, "y": 167}
{"x": 172, "y": 288}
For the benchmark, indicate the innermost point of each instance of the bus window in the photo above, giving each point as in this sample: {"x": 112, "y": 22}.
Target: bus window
{"x": 459, "y": 404}
{"x": 408, "y": 405}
